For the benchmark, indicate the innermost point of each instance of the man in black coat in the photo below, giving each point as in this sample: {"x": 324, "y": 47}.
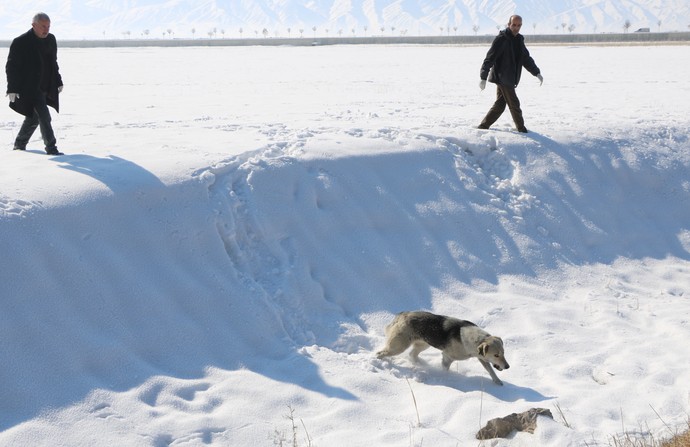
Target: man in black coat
{"x": 503, "y": 66}
{"x": 34, "y": 82}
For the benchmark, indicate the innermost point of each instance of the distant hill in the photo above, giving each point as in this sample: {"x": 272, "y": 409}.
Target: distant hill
{"x": 77, "y": 19}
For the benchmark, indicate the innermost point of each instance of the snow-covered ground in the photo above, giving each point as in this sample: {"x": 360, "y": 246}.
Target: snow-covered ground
{"x": 232, "y": 228}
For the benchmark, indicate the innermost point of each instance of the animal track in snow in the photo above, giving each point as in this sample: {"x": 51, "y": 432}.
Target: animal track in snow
{"x": 261, "y": 262}
{"x": 105, "y": 411}
{"x": 183, "y": 395}
{"x": 19, "y": 208}
{"x": 497, "y": 174}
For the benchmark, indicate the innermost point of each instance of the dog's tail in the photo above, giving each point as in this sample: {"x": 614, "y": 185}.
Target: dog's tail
{"x": 390, "y": 325}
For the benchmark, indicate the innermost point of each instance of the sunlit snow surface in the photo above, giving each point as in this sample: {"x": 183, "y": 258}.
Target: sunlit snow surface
{"x": 232, "y": 228}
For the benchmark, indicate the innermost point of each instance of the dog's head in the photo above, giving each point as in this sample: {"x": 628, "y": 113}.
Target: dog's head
{"x": 491, "y": 350}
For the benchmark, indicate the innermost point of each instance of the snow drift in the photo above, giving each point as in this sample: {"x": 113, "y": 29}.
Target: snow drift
{"x": 157, "y": 298}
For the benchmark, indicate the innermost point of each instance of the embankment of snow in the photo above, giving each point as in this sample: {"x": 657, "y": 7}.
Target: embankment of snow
{"x": 276, "y": 266}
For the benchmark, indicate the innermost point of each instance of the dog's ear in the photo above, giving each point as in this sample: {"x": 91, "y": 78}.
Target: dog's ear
{"x": 481, "y": 349}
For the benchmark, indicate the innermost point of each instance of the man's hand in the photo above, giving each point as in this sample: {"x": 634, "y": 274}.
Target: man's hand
{"x": 13, "y": 96}
{"x": 541, "y": 79}
{"x": 60, "y": 89}
{"x": 482, "y": 84}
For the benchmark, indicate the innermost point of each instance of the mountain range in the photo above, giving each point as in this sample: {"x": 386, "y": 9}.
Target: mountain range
{"x": 89, "y": 19}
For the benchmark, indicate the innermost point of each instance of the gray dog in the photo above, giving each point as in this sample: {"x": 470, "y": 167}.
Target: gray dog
{"x": 457, "y": 340}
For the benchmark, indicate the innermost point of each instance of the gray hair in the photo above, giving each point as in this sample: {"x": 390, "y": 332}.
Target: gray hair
{"x": 40, "y": 17}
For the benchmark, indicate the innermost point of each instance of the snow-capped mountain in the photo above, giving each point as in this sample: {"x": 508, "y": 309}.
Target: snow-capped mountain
{"x": 250, "y": 18}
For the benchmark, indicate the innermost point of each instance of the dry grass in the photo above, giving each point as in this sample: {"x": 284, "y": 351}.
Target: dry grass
{"x": 681, "y": 440}
{"x": 630, "y": 440}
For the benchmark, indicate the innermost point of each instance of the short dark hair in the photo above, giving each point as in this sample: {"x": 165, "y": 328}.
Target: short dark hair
{"x": 40, "y": 17}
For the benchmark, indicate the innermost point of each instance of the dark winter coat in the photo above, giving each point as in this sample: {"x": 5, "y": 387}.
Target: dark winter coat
{"x": 505, "y": 59}
{"x": 25, "y": 67}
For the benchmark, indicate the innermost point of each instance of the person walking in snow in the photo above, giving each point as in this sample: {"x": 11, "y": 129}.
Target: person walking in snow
{"x": 503, "y": 67}
{"x": 34, "y": 82}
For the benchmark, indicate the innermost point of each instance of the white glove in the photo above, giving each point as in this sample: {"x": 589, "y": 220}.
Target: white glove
{"x": 60, "y": 89}
{"x": 13, "y": 96}
{"x": 482, "y": 84}
{"x": 541, "y": 79}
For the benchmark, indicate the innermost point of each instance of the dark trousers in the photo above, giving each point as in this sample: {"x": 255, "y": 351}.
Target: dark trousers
{"x": 40, "y": 117}
{"x": 505, "y": 95}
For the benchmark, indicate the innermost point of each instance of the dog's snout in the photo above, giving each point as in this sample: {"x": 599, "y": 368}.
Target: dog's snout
{"x": 501, "y": 367}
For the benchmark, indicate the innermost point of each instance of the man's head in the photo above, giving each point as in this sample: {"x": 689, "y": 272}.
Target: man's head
{"x": 514, "y": 24}
{"x": 41, "y": 25}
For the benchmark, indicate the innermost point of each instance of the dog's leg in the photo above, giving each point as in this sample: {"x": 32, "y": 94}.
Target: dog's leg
{"x": 487, "y": 366}
{"x": 446, "y": 361}
{"x": 394, "y": 346}
{"x": 417, "y": 347}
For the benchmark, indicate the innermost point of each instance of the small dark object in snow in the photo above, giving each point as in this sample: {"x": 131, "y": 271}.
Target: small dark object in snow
{"x": 502, "y": 427}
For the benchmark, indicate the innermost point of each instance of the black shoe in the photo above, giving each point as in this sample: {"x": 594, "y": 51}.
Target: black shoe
{"x": 17, "y": 148}
{"x": 522, "y": 130}
{"x": 481, "y": 126}
{"x": 53, "y": 151}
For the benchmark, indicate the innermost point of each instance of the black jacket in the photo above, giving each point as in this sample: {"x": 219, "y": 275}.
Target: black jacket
{"x": 25, "y": 68}
{"x": 505, "y": 59}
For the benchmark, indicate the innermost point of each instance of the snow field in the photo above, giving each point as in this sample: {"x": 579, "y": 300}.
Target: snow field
{"x": 232, "y": 229}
